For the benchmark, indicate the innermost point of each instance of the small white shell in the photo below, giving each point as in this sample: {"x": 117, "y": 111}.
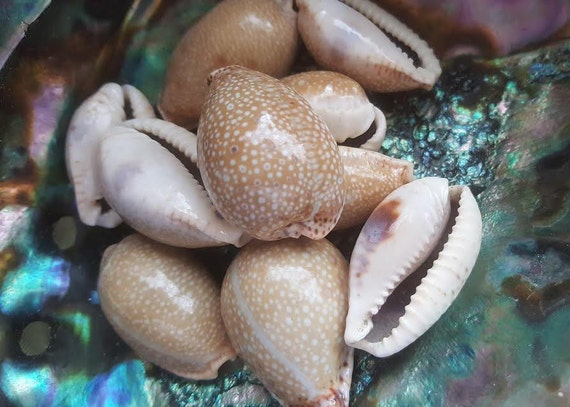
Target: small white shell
{"x": 152, "y": 190}
{"x": 348, "y": 38}
{"x": 399, "y": 236}
{"x": 165, "y": 305}
{"x": 342, "y": 104}
{"x": 283, "y": 305}
{"x": 103, "y": 110}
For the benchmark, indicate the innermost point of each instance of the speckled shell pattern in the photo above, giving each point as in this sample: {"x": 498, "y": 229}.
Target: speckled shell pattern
{"x": 165, "y": 305}
{"x": 369, "y": 178}
{"x": 269, "y": 163}
{"x": 101, "y": 111}
{"x": 399, "y": 236}
{"x": 153, "y": 191}
{"x": 283, "y": 305}
{"x": 259, "y": 34}
{"x": 349, "y": 38}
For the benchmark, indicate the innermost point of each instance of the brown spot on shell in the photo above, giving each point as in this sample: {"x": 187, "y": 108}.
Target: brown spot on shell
{"x": 379, "y": 224}
{"x": 377, "y": 228}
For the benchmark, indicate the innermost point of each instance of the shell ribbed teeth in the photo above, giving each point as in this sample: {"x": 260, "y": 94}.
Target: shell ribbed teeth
{"x": 399, "y": 237}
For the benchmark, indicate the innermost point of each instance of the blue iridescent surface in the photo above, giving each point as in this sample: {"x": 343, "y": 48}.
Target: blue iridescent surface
{"x": 500, "y": 126}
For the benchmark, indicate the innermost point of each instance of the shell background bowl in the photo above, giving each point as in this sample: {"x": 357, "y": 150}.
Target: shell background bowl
{"x": 500, "y": 126}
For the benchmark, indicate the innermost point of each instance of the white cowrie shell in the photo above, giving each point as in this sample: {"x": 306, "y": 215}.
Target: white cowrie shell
{"x": 399, "y": 236}
{"x": 347, "y": 37}
{"x": 342, "y": 104}
{"x": 103, "y": 110}
{"x": 258, "y": 34}
{"x": 154, "y": 192}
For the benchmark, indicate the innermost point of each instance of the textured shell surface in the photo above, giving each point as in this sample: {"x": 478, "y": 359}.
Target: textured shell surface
{"x": 369, "y": 178}
{"x": 165, "y": 305}
{"x": 155, "y": 193}
{"x": 283, "y": 305}
{"x": 430, "y": 291}
{"x": 349, "y": 38}
{"x": 259, "y": 34}
{"x": 268, "y": 162}
{"x": 339, "y": 100}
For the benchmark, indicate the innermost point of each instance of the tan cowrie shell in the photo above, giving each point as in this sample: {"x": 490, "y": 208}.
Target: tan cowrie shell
{"x": 348, "y": 37}
{"x": 269, "y": 163}
{"x": 259, "y": 34}
{"x": 369, "y": 178}
{"x": 165, "y": 305}
{"x": 283, "y": 305}
{"x": 398, "y": 239}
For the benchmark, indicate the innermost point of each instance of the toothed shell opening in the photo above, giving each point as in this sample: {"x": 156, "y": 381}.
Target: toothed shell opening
{"x": 421, "y": 299}
{"x": 389, "y": 316}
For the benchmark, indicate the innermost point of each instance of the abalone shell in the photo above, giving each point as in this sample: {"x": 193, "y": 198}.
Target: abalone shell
{"x": 501, "y": 126}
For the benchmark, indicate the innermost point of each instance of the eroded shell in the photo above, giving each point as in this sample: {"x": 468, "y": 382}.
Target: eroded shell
{"x": 152, "y": 189}
{"x": 399, "y": 236}
{"x": 369, "y": 178}
{"x": 268, "y": 162}
{"x": 342, "y": 104}
{"x": 349, "y": 38}
{"x": 259, "y": 34}
{"x": 283, "y": 305}
{"x": 165, "y": 305}
{"x": 101, "y": 111}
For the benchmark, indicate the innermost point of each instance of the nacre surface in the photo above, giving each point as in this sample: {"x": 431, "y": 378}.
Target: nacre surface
{"x": 500, "y": 126}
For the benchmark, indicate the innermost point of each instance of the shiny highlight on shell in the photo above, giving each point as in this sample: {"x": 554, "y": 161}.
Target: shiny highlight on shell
{"x": 369, "y": 178}
{"x": 269, "y": 163}
{"x": 259, "y": 34}
{"x": 284, "y": 305}
{"x": 348, "y": 36}
{"x": 400, "y": 235}
{"x": 165, "y": 305}
{"x": 153, "y": 191}
{"x": 342, "y": 104}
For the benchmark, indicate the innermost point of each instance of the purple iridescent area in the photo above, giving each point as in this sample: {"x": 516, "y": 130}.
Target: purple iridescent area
{"x": 513, "y": 23}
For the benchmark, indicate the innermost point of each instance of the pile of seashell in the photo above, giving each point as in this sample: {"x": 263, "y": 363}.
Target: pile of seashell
{"x": 274, "y": 181}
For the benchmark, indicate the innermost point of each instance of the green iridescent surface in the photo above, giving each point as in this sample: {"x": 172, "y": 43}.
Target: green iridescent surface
{"x": 502, "y": 127}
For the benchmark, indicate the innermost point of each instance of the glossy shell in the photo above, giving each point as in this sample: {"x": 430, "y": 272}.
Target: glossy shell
{"x": 165, "y": 305}
{"x": 259, "y": 34}
{"x": 154, "y": 192}
{"x": 369, "y": 178}
{"x": 284, "y": 304}
{"x": 399, "y": 236}
{"x": 268, "y": 162}
{"x": 90, "y": 122}
{"x": 349, "y": 38}
{"x": 340, "y": 101}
